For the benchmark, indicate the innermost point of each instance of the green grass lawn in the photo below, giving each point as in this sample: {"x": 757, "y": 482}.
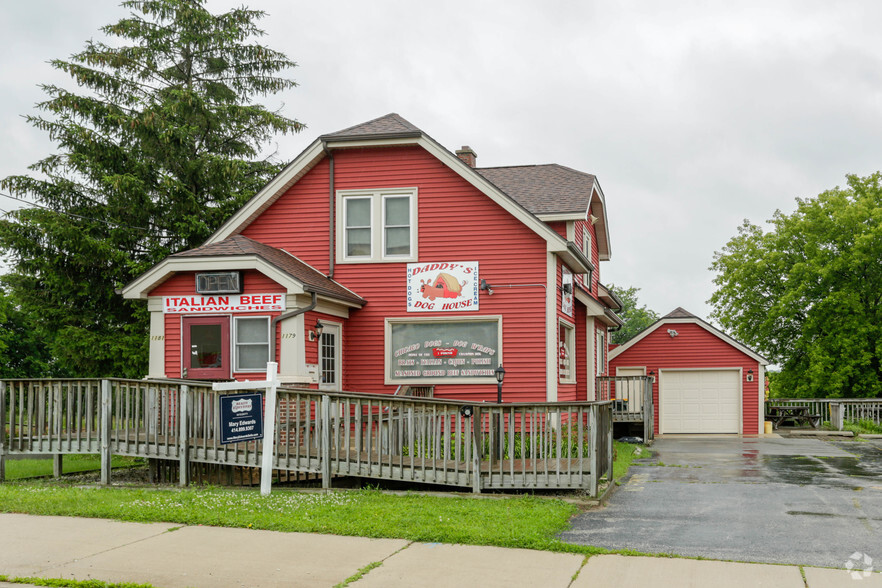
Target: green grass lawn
{"x": 525, "y": 521}
{"x": 17, "y": 469}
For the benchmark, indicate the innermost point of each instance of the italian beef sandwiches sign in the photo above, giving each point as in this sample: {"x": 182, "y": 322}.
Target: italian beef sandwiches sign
{"x": 220, "y": 304}
{"x": 442, "y": 286}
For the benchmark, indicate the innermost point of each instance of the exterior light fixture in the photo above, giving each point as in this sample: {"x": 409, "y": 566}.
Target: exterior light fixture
{"x": 487, "y": 287}
{"x": 672, "y": 333}
{"x": 750, "y": 375}
{"x": 500, "y": 374}
{"x": 316, "y": 332}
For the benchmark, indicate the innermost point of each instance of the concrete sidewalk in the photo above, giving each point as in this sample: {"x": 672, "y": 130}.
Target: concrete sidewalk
{"x": 168, "y": 555}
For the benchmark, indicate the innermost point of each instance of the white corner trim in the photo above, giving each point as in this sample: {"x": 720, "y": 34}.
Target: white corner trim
{"x": 551, "y": 329}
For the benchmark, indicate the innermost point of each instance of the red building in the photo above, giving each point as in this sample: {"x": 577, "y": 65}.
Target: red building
{"x": 705, "y": 381}
{"x": 421, "y": 268}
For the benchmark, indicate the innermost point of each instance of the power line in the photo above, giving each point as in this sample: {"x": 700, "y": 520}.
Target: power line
{"x": 72, "y": 215}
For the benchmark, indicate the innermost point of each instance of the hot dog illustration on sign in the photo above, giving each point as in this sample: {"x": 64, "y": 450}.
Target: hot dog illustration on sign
{"x": 444, "y": 286}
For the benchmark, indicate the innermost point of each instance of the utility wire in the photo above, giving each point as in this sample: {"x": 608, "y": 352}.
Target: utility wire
{"x": 70, "y": 214}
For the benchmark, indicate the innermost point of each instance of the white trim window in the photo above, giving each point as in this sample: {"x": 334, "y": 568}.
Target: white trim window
{"x": 377, "y": 226}
{"x": 586, "y": 242}
{"x": 566, "y": 358}
{"x": 600, "y": 349}
{"x": 251, "y": 343}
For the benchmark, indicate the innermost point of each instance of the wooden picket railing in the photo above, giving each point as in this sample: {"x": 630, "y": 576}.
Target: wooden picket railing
{"x": 850, "y": 409}
{"x": 632, "y": 400}
{"x": 566, "y": 445}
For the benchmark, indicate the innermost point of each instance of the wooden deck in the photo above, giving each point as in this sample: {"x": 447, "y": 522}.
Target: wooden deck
{"x": 421, "y": 440}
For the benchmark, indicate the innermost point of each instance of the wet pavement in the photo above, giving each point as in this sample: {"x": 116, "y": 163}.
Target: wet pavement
{"x": 772, "y": 500}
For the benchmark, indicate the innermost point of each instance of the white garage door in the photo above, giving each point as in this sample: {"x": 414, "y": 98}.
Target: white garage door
{"x": 701, "y": 401}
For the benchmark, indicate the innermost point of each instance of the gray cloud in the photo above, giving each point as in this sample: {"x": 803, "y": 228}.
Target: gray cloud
{"x": 693, "y": 115}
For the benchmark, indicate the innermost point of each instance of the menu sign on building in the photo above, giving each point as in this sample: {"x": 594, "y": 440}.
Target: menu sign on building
{"x": 443, "y": 350}
{"x": 442, "y": 286}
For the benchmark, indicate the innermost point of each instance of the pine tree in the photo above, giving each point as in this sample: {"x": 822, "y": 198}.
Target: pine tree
{"x": 159, "y": 145}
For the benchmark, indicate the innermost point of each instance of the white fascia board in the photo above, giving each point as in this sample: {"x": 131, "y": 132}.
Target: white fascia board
{"x": 172, "y": 265}
{"x": 604, "y": 254}
{"x": 562, "y": 216}
{"x": 592, "y": 306}
{"x": 307, "y": 159}
{"x": 347, "y": 144}
{"x": 688, "y": 321}
{"x": 269, "y": 193}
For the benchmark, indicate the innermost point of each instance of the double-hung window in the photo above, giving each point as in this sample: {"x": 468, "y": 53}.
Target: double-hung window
{"x": 566, "y": 346}
{"x": 377, "y": 225}
{"x": 252, "y": 343}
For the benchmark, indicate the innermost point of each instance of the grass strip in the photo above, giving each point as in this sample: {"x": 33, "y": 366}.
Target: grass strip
{"x": 523, "y": 521}
{"x": 69, "y": 583}
{"x": 19, "y": 469}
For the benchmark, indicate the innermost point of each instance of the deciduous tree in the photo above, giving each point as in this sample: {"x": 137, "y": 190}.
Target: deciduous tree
{"x": 636, "y": 317}
{"x": 807, "y": 293}
{"x": 161, "y": 142}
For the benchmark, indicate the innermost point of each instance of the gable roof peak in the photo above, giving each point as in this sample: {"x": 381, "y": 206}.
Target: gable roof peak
{"x": 679, "y": 312}
{"x": 392, "y": 124}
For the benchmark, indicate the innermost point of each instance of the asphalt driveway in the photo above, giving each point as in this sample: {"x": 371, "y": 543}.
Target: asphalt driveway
{"x": 773, "y": 500}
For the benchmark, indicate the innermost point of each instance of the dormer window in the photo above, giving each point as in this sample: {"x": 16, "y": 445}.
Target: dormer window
{"x": 377, "y": 225}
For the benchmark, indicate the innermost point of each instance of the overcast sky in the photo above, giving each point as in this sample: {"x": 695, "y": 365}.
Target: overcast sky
{"x": 693, "y": 115}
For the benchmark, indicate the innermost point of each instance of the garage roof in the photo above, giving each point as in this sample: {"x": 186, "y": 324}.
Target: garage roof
{"x": 682, "y": 316}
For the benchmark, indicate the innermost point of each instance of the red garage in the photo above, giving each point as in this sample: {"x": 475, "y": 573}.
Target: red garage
{"x": 705, "y": 381}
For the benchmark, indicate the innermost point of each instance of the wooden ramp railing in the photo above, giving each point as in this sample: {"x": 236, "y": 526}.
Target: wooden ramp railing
{"x": 632, "y": 400}
{"x": 565, "y": 445}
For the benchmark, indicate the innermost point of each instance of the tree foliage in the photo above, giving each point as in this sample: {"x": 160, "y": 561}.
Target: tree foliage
{"x": 160, "y": 144}
{"x": 635, "y": 316}
{"x": 22, "y": 353}
{"x": 807, "y": 292}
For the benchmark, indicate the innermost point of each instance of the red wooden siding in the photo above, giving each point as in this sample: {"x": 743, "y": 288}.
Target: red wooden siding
{"x": 693, "y": 347}
{"x": 184, "y": 284}
{"x": 582, "y": 384}
{"x": 456, "y": 222}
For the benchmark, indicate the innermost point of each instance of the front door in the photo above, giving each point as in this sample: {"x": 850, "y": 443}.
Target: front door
{"x": 206, "y": 348}
{"x": 329, "y": 358}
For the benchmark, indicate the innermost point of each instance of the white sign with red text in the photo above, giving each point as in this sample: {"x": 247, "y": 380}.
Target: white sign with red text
{"x": 223, "y": 303}
{"x": 442, "y": 286}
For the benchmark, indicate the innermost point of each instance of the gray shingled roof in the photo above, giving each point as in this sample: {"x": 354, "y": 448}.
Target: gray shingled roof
{"x": 543, "y": 189}
{"x": 679, "y": 312}
{"x": 390, "y": 124}
{"x": 312, "y": 279}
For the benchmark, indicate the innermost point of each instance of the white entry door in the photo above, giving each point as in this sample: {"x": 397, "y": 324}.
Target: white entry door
{"x": 700, "y": 401}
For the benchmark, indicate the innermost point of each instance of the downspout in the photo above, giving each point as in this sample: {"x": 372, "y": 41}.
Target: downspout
{"x": 287, "y": 315}
{"x": 332, "y": 205}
